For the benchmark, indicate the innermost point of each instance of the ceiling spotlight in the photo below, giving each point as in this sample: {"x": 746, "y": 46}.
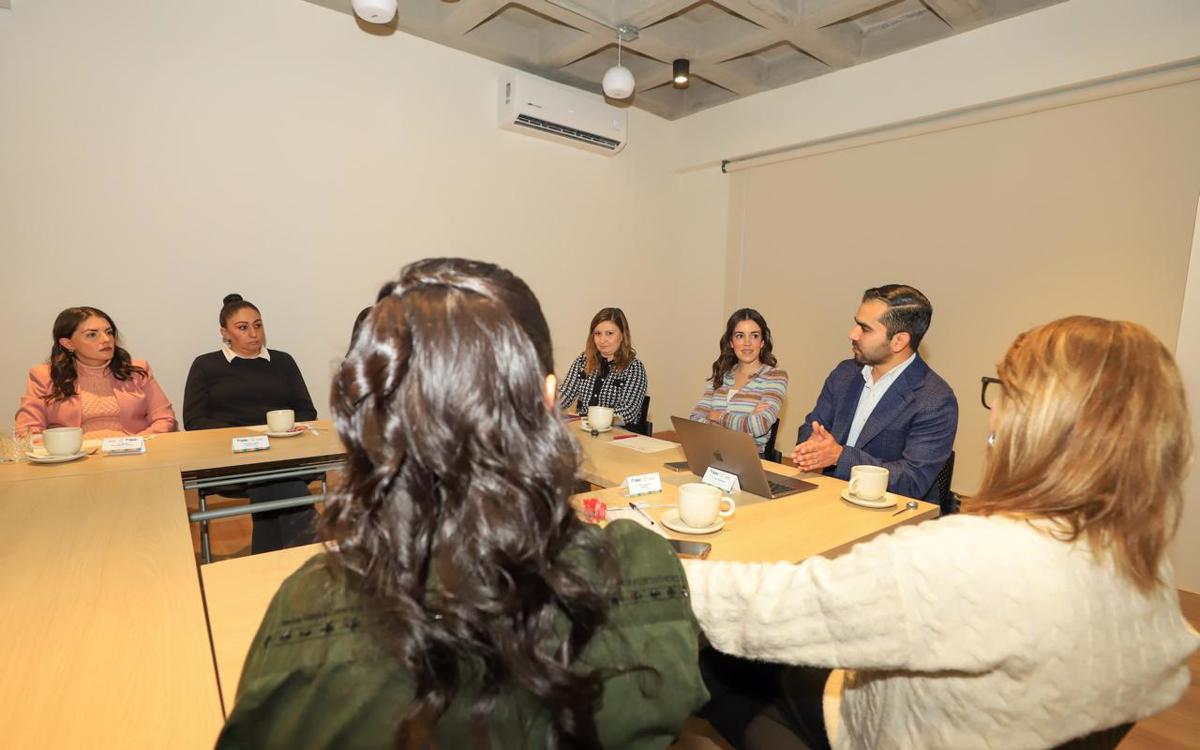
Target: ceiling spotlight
{"x": 375, "y": 11}
{"x": 618, "y": 80}
{"x": 681, "y": 70}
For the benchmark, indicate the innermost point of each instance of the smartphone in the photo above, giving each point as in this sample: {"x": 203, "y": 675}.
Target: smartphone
{"x": 695, "y": 550}
{"x": 677, "y": 465}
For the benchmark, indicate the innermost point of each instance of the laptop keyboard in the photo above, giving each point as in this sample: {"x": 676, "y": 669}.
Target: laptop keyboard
{"x": 777, "y": 488}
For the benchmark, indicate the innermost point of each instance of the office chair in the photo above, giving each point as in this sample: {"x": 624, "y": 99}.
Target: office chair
{"x": 940, "y": 492}
{"x": 769, "y": 451}
{"x": 1104, "y": 739}
{"x": 642, "y": 426}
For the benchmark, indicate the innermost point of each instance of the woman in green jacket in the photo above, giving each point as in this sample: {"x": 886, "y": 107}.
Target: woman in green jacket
{"x": 460, "y": 601}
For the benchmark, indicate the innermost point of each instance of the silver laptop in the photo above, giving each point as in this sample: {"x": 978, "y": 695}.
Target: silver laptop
{"x": 708, "y": 445}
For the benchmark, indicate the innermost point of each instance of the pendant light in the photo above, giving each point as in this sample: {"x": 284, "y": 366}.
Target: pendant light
{"x": 375, "y": 11}
{"x": 618, "y": 81}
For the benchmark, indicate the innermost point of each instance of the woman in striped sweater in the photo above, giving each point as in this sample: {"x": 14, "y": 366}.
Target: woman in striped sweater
{"x": 746, "y": 389}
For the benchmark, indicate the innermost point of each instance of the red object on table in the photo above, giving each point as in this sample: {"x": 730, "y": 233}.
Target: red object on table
{"x": 594, "y": 510}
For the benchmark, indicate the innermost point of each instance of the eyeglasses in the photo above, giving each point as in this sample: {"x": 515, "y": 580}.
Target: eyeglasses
{"x": 984, "y": 397}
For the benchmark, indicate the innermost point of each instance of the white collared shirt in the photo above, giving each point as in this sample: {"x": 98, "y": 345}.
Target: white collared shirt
{"x": 872, "y": 394}
{"x": 230, "y": 354}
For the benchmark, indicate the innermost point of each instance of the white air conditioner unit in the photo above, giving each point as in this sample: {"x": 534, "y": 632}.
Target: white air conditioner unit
{"x": 538, "y": 107}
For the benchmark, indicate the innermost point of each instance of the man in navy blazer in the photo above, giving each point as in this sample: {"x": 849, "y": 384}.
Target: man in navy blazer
{"x": 885, "y": 406}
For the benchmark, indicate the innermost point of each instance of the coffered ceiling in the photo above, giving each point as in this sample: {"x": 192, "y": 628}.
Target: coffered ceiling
{"x": 736, "y": 47}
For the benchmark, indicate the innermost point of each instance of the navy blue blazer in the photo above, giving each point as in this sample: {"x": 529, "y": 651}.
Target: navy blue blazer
{"x": 910, "y": 432}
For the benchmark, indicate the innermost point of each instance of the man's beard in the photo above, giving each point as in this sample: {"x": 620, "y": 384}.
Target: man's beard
{"x": 861, "y": 357}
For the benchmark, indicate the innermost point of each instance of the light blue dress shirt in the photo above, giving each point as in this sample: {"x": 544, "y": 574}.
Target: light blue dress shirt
{"x": 872, "y": 394}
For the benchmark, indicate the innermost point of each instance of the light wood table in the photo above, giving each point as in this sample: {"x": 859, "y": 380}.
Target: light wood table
{"x": 237, "y": 592}
{"x": 103, "y": 641}
{"x": 791, "y": 529}
{"x": 192, "y": 453}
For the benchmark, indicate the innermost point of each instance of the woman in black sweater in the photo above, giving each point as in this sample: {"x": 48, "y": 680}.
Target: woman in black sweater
{"x": 236, "y": 387}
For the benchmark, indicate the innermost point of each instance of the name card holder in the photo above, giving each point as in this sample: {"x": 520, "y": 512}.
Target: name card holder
{"x": 722, "y": 480}
{"x": 121, "y": 446}
{"x": 252, "y": 443}
{"x": 642, "y": 484}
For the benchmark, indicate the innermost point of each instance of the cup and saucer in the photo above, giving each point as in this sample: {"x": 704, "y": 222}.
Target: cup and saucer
{"x": 42, "y": 457}
{"x": 887, "y": 500}
{"x": 297, "y": 430}
{"x": 602, "y": 421}
{"x": 868, "y": 488}
{"x": 700, "y": 503}
{"x": 672, "y": 521}
{"x": 281, "y": 423}
{"x": 59, "y": 445}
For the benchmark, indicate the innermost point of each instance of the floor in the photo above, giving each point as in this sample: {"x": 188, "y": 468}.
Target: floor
{"x": 1175, "y": 729}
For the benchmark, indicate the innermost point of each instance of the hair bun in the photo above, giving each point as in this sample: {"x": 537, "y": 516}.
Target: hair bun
{"x": 231, "y": 298}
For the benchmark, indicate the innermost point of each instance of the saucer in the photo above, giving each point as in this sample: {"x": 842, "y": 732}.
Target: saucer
{"x": 46, "y": 458}
{"x": 887, "y": 501}
{"x": 672, "y": 521}
{"x": 289, "y": 433}
{"x": 583, "y": 425}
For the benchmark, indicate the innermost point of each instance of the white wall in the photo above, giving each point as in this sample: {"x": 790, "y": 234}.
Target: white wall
{"x": 1186, "y": 552}
{"x": 156, "y": 156}
{"x": 1066, "y": 44}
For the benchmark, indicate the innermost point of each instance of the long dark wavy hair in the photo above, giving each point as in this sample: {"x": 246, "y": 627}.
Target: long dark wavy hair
{"x": 727, "y": 359}
{"x": 62, "y": 360}
{"x": 452, "y": 518}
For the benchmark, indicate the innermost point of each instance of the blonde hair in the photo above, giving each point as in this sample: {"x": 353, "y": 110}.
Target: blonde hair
{"x": 1092, "y": 432}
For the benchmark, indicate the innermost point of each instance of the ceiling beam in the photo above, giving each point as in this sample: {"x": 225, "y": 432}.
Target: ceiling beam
{"x": 575, "y": 50}
{"x": 839, "y": 11}
{"x": 823, "y": 46}
{"x": 765, "y": 13}
{"x": 574, "y": 20}
{"x": 959, "y": 15}
{"x": 469, "y": 15}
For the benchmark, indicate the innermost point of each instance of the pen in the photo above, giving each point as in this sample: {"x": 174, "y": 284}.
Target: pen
{"x": 623, "y": 437}
{"x": 642, "y": 513}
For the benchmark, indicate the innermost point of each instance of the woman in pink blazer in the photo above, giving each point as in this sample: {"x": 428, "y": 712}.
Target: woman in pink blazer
{"x": 92, "y": 383}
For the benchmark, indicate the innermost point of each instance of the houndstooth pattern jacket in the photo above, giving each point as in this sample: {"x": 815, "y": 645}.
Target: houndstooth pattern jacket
{"x": 623, "y": 390}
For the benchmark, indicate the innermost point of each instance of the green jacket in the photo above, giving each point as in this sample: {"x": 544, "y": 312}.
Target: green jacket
{"x": 316, "y": 678}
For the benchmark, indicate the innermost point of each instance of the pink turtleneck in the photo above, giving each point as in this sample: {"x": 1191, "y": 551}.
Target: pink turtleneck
{"x": 98, "y": 402}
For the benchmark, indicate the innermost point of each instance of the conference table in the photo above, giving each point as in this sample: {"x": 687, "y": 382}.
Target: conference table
{"x": 104, "y": 640}
{"x": 113, "y": 636}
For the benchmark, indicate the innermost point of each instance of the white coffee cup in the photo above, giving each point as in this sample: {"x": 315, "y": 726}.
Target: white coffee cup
{"x": 700, "y": 505}
{"x": 868, "y": 482}
{"x": 281, "y": 420}
{"x": 599, "y": 417}
{"x": 62, "y": 441}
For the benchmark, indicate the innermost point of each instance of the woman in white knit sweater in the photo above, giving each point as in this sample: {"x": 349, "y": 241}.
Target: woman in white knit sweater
{"x": 1046, "y": 610}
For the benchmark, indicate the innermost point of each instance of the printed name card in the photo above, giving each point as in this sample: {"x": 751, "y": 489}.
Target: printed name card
{"x": 642, "y": 484}
{"x": 722, "y": 480}
{"x": 252, "y": 443}
{"x": 118, "y": 446}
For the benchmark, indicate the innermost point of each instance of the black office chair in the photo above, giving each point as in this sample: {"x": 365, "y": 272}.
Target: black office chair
{"x": 769, "y": 451}
{"x": 940, "y": 493}
{"x": 643, "y": 426}
{"x": 1105, "y": 739}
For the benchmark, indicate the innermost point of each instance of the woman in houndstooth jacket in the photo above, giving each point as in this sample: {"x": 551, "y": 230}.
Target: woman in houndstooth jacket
{"x": 608, "y": 372}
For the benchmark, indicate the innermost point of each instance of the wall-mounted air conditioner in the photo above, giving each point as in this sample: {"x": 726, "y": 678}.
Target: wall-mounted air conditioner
{"x": 534, "y": 106}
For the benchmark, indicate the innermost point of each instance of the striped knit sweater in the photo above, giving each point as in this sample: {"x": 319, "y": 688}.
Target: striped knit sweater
{"x": 752, "y": 409}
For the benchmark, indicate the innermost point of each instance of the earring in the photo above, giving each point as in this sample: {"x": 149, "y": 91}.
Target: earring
{"x": 991, "y": 441}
